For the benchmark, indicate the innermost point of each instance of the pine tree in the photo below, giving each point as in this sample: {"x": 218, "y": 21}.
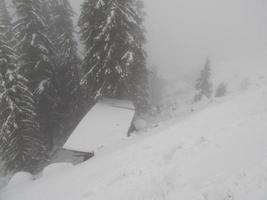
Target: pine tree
{"x": 203, "y": 84}
{"x": 115, "y": 60}
{"x": 62, "y": 33}
{"x": 221, "y": 90}
{"x": 21, "y": 144}
{"x": 5, "y": 19}
{"x": 156, "y": 90}
{"x": 5, "y": 22}
{"x": 36, "y": 60}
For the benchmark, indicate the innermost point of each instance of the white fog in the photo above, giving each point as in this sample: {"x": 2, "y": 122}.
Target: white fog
{"x": 182, "y": 33}
{"x": 166, "y": 106}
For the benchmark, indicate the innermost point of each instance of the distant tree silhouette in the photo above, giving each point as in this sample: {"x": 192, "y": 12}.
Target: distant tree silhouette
{"x": 221, "y": 90}
{"x": 203, "y": 84}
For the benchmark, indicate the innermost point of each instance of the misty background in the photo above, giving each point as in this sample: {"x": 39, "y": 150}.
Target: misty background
{"x": 182, "y": 33}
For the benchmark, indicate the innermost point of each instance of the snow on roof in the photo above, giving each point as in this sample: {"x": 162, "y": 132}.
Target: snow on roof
{"x": 107, "y": 122}
{"x": 118, "y": 103}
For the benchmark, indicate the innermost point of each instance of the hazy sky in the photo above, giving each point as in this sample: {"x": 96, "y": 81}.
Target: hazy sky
{"x": 181, "y": 33}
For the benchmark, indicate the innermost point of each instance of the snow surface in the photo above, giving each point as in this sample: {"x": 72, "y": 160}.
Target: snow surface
{"x": 55, "y": 168}
{"x": 19, "y": 179}
{"x": 219, "y": 153}
{"x": 107, "y": 122}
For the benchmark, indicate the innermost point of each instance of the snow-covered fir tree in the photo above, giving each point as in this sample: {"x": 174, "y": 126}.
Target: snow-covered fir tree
{"x": 5, "y": 21}
{"x": 21, "y": 145}
{"x": 221, "y": 90}
{"x": 203, "y": 84}
{"x": 67, "y": 59}
{"x": 156, "y": 90}
{"x": 115, "y": 60}
{"x": 36, "y": 60}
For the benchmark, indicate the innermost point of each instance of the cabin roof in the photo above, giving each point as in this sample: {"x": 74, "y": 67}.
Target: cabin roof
{"x": 107, "y": 122}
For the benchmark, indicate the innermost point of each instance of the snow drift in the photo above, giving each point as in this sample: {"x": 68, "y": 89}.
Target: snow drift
{"x": 219, "y": 153}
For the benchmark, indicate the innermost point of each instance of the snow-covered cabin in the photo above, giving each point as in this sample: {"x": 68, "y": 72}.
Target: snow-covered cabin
{"x": 107, "y": 122}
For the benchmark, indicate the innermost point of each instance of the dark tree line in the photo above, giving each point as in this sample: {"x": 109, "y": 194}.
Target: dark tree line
{"x": 45, "y": 86}
{"x": 21, "y": 142}
{"x": 115, "y": 60}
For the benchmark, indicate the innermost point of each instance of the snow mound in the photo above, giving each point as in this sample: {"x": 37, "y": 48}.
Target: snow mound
{"x": 219, "y": 193}
{"x": 56, "y": 168}
{"x": 3, "y": 181}
{"x": 140, "y": 124}
{"x": 20, "y": 178}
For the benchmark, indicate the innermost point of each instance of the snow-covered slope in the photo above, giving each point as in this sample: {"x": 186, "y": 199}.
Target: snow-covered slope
{"x": 219, "y": 153}
{"x": 234, "y": 72}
